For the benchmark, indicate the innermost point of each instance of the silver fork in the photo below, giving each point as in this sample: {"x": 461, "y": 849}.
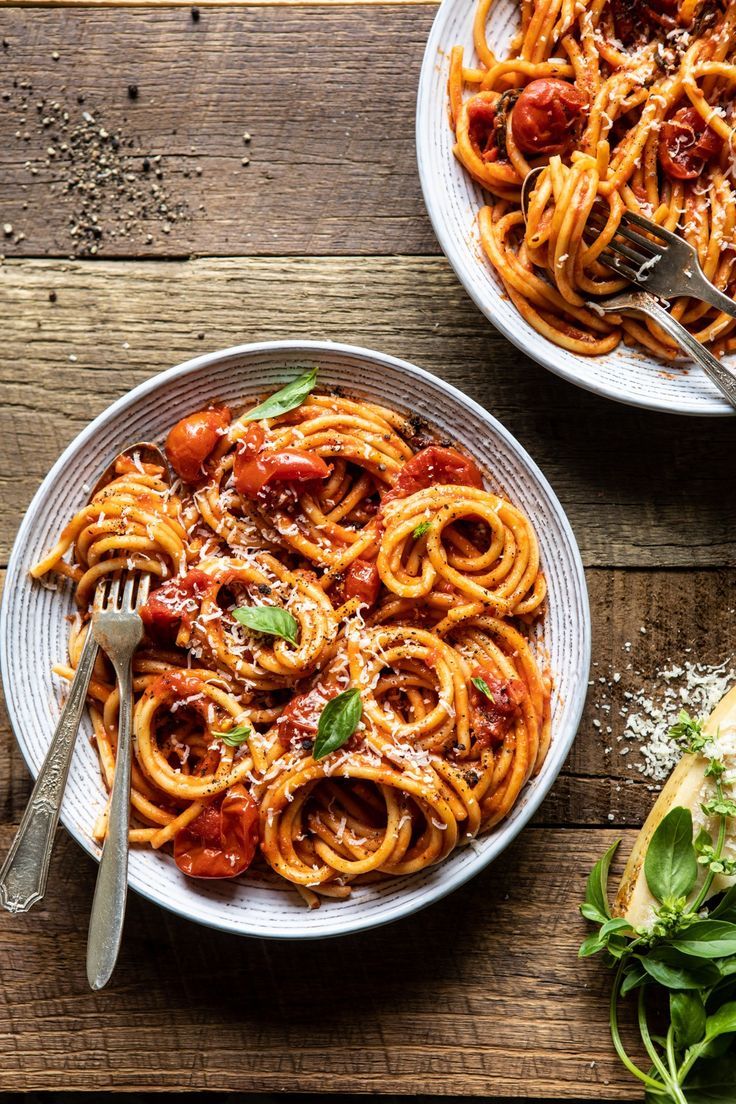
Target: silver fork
{"x": 117, "y": 628}
{"x": 667, "y": 268}
{"x": 25, "y": 871}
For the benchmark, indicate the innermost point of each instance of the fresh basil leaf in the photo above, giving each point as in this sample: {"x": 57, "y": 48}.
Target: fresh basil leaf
{"x": 590, "y": 912}
{"x": 726, "y": 907}
{"x": 635, "y": 976}
{"x": 687, "y": 1013}
{"x": 234, "y": 737}
{"x": 617, "y": 924}
{"x": 268, "y": 619}
{"x": 337, "y": 723}
{"x": 707, "y": 939}
{"x": 482, "y": 685}
{"x": 723, "y": 1021}
{"x": 421, "y": 529}
{"x": 288, "y": 398}
{"x": 703, "y": 841}
{"x": 712, "y": 1082}
{"x": 676, "y": 970}
{"x": 596, "y": 889}
{"x": 592, "y": 945}
{"x": 671, "y": 866}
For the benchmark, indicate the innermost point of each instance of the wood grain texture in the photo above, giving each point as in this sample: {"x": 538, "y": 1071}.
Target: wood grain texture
{"x": 640, "y": 489}
{"x": 327, "y": 94}
{"x": 494, "y": 1016}
{"x": 192, "y": 1009}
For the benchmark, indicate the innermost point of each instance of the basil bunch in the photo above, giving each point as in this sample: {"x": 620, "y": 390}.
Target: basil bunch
{"x": 686, "y": 959}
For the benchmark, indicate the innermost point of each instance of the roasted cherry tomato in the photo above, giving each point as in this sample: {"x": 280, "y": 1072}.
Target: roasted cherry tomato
{"x": 432, "y": 466}
{"x": 174, "y": 601}
{"x": 686, "y": 143}
{"x": 255, "y": 469}
{"x": 222, "y": 841}
{"x": 545, "y": 115}
{"x": 492, "y": 717}
{"x": 362, "y": 581}
{"x": 192, "y": 440}
{"x": 299, "y": 720}
{"x": 482, "y": 128}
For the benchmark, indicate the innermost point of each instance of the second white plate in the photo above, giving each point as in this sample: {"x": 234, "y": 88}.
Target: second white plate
{"x": 453, "y": 200}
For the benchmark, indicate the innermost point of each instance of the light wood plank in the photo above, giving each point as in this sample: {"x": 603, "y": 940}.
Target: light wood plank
{"x": 640, "y": 489}
{"x": 327, "y": 93}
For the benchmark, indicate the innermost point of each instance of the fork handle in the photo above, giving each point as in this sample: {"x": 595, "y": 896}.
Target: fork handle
{"x": 723, "y": 377}
{"x": 25, "y": 870}
{"x": 707, "y": 291}
{"x": 108, "y": 905}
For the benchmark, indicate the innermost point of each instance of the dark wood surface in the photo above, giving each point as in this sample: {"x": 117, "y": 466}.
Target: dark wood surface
{"x": 323, "y": 235}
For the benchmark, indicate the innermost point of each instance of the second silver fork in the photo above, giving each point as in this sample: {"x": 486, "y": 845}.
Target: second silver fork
{"x": 117, "y": 628}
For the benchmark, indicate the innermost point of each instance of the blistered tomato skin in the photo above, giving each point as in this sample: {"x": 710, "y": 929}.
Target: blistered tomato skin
{"x": 545, "y": 115}
{"x": 363, "y": 581}
{"x": 222, "y": 841}
{"x": 253, "y": 470}
{"x": 431, "y": 467}
{"x": 193, "y": 439}
{"x": 686, "y": 144}
{"x": 170, "y": 603}
{"x": 482, "y": 128}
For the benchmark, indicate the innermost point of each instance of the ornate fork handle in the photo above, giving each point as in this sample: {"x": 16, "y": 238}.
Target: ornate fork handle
{"x": 723, "y": 377}
{"x": 25, "y": 870}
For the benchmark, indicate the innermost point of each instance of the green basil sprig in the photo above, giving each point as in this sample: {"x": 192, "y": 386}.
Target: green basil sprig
{"x": 268, "y": 619}
{"x": 337, "y": 723}
{"x": 288, "y": 398}
{"x": 687, "y": 953}
{"x": 234, "y": 737}
{"x": 422, "y": 528}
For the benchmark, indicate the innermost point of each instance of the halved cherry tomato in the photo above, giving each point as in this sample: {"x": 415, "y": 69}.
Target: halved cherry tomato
{"x": 174, "y": 601}
{"x": 482, "y": 128}
{"x": 254, "y": 469}
{"x": 686, "y": 143}
{"x": 299, "y": 720}
{"x": 491, "y": 718}
{"x": 222, "y": 841}
{"x": 432, "y": 466}
{"x": 362, "y": 581}
{"x": 192, "y": 440}
{"x": 545, "y": 115}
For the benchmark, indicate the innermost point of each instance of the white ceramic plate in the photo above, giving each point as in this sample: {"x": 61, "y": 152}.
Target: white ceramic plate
{"x": 33, "y": 626}
{"x": 453, "y": 200}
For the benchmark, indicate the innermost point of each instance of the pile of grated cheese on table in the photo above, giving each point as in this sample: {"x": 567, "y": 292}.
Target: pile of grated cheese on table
{"x": 650, "y": 712}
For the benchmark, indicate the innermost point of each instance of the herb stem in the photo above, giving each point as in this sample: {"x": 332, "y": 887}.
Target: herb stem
{"x": 705, "y": 888}
{"x": 654, "y": 1086}
{"x": 647, "y": 1040}
{"x": 674, "y": 1087}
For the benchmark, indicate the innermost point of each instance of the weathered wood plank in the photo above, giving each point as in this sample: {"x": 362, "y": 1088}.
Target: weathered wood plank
{"x": 327, "y": 94}
{"x": 193, "y": 1009}
{"x": 640, "y": 489}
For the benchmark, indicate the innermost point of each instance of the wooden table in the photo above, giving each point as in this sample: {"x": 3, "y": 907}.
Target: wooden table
{"x": 322, "y": 234}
